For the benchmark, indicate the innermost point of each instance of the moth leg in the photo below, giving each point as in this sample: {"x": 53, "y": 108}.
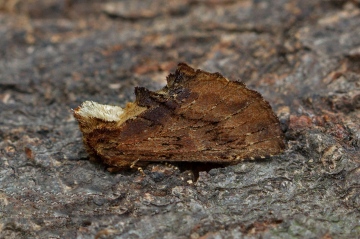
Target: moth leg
{"x": 171, "y": 166}
{"x": 133, "y": 165}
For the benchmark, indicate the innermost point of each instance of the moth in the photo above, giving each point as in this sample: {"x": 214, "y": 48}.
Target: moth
{"x": 197, "y": 117}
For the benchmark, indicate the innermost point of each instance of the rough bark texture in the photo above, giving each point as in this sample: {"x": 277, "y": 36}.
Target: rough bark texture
{"x": 302, "y": 55}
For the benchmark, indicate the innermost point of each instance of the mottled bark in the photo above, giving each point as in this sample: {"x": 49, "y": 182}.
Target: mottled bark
{"x": 302, "y": 56}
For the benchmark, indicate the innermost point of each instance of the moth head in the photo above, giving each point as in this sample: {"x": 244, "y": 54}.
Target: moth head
{"x": 91, "y": 109}
{"x": 90, "y": 113}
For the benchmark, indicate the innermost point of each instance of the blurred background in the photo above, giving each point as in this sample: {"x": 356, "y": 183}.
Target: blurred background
{"x": 69, "y": 50}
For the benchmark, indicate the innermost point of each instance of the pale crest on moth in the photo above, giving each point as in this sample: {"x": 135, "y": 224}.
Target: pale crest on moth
{"x": 91, "y": 109}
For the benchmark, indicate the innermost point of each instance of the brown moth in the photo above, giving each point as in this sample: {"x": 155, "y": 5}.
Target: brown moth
{"x": 197, "y": 117}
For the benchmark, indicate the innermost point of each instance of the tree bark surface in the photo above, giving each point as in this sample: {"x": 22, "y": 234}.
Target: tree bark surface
{"x": 303, "y": 56}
